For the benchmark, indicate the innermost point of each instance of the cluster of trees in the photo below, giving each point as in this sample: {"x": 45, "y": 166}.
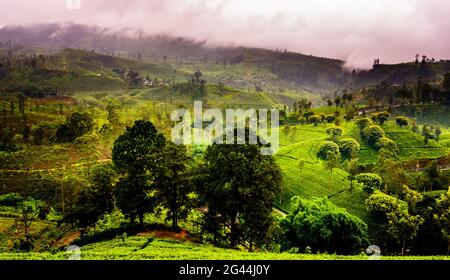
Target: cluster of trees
{"x": 409, "y": 218}
{"x": 27, "y": 211}
{"x": 420, "y": 92}
{"x": 231, "y": 187}
{"x": 343, "y": 100}
{"x": 374, "y": 135}
{"x": 429, "y": 131}
{"x": 319, "y": 226}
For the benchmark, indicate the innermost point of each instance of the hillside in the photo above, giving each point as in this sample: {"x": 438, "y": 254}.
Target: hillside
{"x": 145, "y": 248}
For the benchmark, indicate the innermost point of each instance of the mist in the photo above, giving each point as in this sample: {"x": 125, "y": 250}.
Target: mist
{"x": 356, "y": 31}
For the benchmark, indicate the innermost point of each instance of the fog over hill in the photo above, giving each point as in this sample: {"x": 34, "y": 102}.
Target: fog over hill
{"x": 312, "y": 72}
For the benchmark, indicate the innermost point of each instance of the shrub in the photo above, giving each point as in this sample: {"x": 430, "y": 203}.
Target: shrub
{"x": 11, "y": 199}
{"x": 349, "y": 147}
{"x": 43, "y": 133}
{"x": 322, "y": 117}
{"x": 75, "y": 126}
{"x": 334, "y": 132}
{"x": 302, "y": 120}
{"x": 380, "y": 204}
{"x": 387, "y": 144}
{"x": 330, "y": 118}
{"x": 363, "y": 123}
{"x": 381, "y": 117}
{"x": 308, "y": 114}
{"x": 322, "y": 226}
{"x": 370, "y": 181}
{"x": 328, "y": 150}
{"x": 315, "y": 119}
{"x": 372, "y": 134}
{"x": 402, "y": 121}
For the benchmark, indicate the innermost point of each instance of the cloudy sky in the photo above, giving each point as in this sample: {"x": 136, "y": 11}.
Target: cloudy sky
{"x": 354, "y": 30}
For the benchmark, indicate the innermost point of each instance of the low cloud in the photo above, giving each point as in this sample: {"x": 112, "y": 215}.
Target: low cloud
{"x": 353, "y": 30}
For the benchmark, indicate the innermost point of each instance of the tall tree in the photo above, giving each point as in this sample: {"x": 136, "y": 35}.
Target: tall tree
{"x": 138, "y": 156}
{"x": 238, "y": 186}
{"x": 173, "y": 185}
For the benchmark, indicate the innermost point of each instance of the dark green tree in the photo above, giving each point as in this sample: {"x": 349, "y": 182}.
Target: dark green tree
{"x": 323, "y": 226}
{"x": 174, "y": 185}
{"x": 138, "y": 155}
{"x": 77, "y": 125}
{"x": 238, "y": 186}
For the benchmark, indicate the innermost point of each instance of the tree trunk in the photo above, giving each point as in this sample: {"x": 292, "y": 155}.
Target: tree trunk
{"x": 174, "y": 220}
{"x": 233, "y": 231}
{"x": 141, "y": 220}
{"x": 174, "y": 210}
{"x": 403, "y": 247}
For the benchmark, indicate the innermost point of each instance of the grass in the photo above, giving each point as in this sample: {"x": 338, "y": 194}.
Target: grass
{"x": 313, "y": 179}
{"x": 166, "y": 249}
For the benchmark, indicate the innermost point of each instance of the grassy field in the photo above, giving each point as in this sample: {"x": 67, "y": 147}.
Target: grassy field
{"x": 143, "y": 248}
{"x": 314, "y": 180}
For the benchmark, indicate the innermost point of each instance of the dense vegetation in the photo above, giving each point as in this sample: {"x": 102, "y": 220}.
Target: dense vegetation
{"x": 85, "y": 158}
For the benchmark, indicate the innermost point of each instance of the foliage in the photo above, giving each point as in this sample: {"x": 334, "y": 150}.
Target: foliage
{"x": 381, "y": 117}
{"x": 11, "y": 199}
{"x": 443, "y": 216}
{"x": 238, "y": 185}
{"x": 43, "y": 133}
{"x": 372, "y": 134}
{"x": 349, "y": 147}
{"x": 380, "y": 204}
{"x": 403, "y": 227}
{"x": 335, "y": 132}
{"x": 75, "y": 126}
{"x": 371, "y": 182}
{"x": 174, "y": 189}
{"x": 138, "y": 156}
{"x": 328, "y": 151}
{"x": 387, "y": 144}
{"x": 402, "y": 121}
{"x": 362, "y": 123}
{"x": 315, "y": 119}
{"x": 322, "y": 226}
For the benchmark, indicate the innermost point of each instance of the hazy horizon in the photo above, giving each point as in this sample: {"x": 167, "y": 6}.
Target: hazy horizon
{"x": 352, "y": 30}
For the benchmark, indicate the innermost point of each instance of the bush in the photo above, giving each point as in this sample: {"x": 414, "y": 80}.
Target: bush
{"x": 43, "y": 133}
{"x": 322, "y": 226}
{"x": 302, "y": 120}
{"x": 363, "y": 123}
{"x": 11, "y": 199}
{"x": 380, "y": 204}
{"x": 334, "y": 132}
{"x": 315, "y": 119}
{"x": 372, "y": 134}
{"x": 322, "y": 117}
{"x": 370, "y": 181}
{"x": 349, "y": 147}
{"x": 330, "y": 118}
{"x": 387, "y": 144}
{"x": 75, "y": 126}
{"x": 328, "y": 150}
{"x": 402, "y": 121}
{"x": 381, "y": 117}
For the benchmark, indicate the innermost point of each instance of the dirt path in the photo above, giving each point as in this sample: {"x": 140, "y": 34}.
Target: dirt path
{"x": 67, "y": 240}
